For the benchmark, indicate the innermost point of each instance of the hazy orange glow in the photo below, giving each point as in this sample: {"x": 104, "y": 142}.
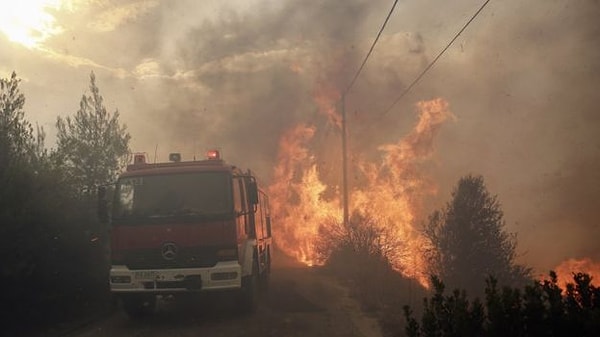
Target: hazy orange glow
{"x": 389, "y": 190}
{"x": 327, "y": 97}
{"x": 29, "y": 22}
{"x": 586, "y": 265}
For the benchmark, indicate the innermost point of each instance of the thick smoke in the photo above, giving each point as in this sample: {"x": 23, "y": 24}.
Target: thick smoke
{"x": 254, "y": 75}
{"x": 528, "y": 121}
{"x": 189, "y": 75}
{"x": 521, "y": 85}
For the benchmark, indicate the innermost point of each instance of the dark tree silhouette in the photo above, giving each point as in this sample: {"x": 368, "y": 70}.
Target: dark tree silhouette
{"x": 540, "y": 309}
{"x": 16, "y": 148}
{"x": 55, "y": 273}
{"x": 469, "y": 241}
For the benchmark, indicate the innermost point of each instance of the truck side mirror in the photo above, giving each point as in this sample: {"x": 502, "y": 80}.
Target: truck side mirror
{"x": 102, "y": 205}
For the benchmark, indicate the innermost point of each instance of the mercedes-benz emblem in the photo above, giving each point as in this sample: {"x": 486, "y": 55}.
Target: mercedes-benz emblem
{"x": 169, "y": 251}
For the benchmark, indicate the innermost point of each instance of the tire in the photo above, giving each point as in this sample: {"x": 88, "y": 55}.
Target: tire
{"x": 249, "y": 296}
{"x": 138, "y": 306}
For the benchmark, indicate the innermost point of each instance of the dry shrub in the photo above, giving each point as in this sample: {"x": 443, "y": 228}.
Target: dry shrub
{"x": 360, "y": 253}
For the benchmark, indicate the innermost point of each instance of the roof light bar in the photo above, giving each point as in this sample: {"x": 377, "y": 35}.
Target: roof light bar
{"x": 139, "y": 159}
{"x": 213, "y": 155}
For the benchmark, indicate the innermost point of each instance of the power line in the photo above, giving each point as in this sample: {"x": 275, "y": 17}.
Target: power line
{"x": 345, "y": 201}
{"x": 432, "y": 63}
{"x": 372, "y": 47}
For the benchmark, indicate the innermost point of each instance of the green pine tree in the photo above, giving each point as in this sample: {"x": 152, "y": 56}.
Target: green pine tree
{"x": 93, "y": 145}
{"x": 469, "y": 241}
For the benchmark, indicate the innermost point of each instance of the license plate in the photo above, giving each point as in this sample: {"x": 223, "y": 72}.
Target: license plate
{"x": 145, "y": 275}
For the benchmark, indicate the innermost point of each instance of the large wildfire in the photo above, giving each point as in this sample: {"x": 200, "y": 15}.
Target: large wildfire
{"x": 567, "y": 268}
{"x": 389, "y": 190}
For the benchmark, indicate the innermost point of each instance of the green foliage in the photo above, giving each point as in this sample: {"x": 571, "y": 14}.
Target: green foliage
{"x": 48, "y": 264}
{"x": 16, "y": 133}
{"x": 469, "y": 242}
{"x": 16, "y": 152}
{"x": 93, "y": 145}
{"x": 541, "y": 309}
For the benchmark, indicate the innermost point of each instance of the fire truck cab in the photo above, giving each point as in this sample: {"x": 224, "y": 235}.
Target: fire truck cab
{"x": 184, "y": 227}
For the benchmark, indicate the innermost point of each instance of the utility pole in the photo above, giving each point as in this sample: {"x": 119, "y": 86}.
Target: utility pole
{"x": 344, "y": 132}
{"x": 344, "y": 162}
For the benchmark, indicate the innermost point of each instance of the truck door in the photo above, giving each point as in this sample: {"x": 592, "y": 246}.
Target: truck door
{"x": 241, "y": 210}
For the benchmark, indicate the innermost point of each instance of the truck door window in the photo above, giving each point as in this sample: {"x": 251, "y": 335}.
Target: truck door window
{"x": 240, "y": 206}
{"x": 238, "y": 197}
{"x": 260, "y": 220}
{"x": 126, "y": 197}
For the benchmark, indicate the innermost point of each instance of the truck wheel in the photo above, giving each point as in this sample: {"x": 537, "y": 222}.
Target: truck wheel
{"x": 138, "y": 306}
{"x": 250, "y": 290}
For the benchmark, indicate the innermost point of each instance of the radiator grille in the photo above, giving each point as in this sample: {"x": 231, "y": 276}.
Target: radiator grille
{"x": 187, "y": 257}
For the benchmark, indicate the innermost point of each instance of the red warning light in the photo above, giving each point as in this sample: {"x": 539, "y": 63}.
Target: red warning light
{"x": 213, "y": 155}
{"x": 139, "y": 158}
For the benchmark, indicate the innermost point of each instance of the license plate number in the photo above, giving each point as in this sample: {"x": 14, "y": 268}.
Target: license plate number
{"x": 145, "y": 275}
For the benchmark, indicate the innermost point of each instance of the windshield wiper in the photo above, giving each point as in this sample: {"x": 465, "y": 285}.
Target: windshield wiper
{"x": 188, "y": 211}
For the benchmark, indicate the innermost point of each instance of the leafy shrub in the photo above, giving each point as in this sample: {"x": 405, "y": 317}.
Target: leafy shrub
{"x": 52, "y": 272}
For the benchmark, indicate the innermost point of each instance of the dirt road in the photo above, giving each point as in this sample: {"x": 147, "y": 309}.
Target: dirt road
{"x": 301, "y": 301}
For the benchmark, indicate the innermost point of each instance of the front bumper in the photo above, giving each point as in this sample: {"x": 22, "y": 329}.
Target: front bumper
{"x": 223, "y": 276}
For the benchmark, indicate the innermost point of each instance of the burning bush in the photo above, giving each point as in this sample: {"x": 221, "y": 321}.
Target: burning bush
{"x": 361, "y": 239}
{"x": 362, "y": 251}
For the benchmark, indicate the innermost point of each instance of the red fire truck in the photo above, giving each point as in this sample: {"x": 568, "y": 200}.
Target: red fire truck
{"x": 184, "y": 227}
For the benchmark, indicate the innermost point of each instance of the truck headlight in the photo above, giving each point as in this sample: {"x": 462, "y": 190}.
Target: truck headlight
{"x": 120, "y": 279}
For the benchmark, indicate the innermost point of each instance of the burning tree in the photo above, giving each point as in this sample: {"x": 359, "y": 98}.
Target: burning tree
{"x": 469, "y": 242}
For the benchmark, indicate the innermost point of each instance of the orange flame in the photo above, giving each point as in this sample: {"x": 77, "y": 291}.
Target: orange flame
{"x": 396, "y": 186}
{"x": 296, "y": 196}
{"x": 565, "y": 270}
{"x": 391, "y": 191}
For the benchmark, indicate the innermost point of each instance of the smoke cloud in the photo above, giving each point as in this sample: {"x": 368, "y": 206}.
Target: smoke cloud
{"x": 187, "y": 76}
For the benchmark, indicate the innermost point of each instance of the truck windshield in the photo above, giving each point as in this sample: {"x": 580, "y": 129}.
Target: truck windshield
{"x": 185, "y": 195}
